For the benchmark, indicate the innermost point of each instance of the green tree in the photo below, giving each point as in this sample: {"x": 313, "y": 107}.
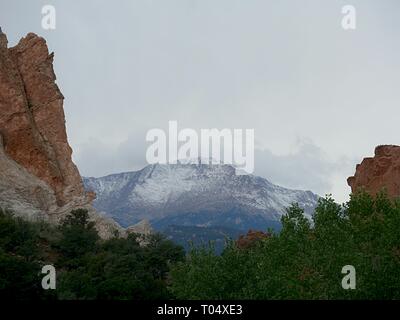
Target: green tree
{"x": 305, "y": 260}
{"x": 78, "y": 236}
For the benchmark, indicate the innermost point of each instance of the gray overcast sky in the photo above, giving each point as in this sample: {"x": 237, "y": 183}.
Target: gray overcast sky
{"x": 319, "y": 98}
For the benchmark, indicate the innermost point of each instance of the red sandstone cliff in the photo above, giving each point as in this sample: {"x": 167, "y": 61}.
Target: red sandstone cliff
{"x": 37, "y": 175}
{"x": 378, "y": 172}
{"x": 32, "y": 120}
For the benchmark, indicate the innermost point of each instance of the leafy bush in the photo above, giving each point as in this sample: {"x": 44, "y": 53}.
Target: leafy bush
{"x": 305, "y": 260}
{"x": 19, "y": 268}
{"x": 87, "y": 267}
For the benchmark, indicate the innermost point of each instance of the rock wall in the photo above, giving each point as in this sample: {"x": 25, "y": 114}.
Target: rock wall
{"x": 37, "y": 176}
{"x": 378, "y": 172}
{"x": 32, "y": 118}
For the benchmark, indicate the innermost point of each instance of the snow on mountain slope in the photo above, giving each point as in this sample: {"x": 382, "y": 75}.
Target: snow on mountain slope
{"x": 194, "y": 194}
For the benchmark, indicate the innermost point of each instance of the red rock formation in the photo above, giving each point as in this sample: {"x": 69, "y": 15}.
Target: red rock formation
{"x": 37, "y": 176}
{"x": 381, "y": 171}
{"x": 250, "y": 239}
{"x": 32, "y": 120}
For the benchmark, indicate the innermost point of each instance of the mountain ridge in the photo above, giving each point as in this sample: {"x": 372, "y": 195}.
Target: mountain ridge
{"x": 207, "y": 195}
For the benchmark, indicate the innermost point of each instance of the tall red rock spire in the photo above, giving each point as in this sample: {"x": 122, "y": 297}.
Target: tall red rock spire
{"x": 38, "y": 179}
{"x": 32, "y": 120}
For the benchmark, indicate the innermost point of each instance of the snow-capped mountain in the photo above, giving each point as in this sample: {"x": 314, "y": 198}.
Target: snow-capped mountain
{"x": 194, "y": 195}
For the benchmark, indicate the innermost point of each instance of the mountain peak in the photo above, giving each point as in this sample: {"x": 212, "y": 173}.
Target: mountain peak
{"x": 201, "y": 194}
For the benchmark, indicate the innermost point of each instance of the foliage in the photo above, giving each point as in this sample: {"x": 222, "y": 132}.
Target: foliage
{"x": 305, "y": 260}
{"x": 87, "y": 267}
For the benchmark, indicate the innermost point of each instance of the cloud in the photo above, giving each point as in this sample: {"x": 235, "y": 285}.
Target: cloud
{"x": 99, "y": 158}
{"x": 284, "y": 68}
{"x": 308, "y": 168}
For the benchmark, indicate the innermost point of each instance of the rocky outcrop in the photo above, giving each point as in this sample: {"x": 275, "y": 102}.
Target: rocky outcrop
{"x": 379, "y": 172}
{"x": 22, "y": 192}
{"x": 3, "y": 40}
{"x": 143, "y": 227}
{"x": 37, "y": 176}
{"x": 32, "y": 118}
